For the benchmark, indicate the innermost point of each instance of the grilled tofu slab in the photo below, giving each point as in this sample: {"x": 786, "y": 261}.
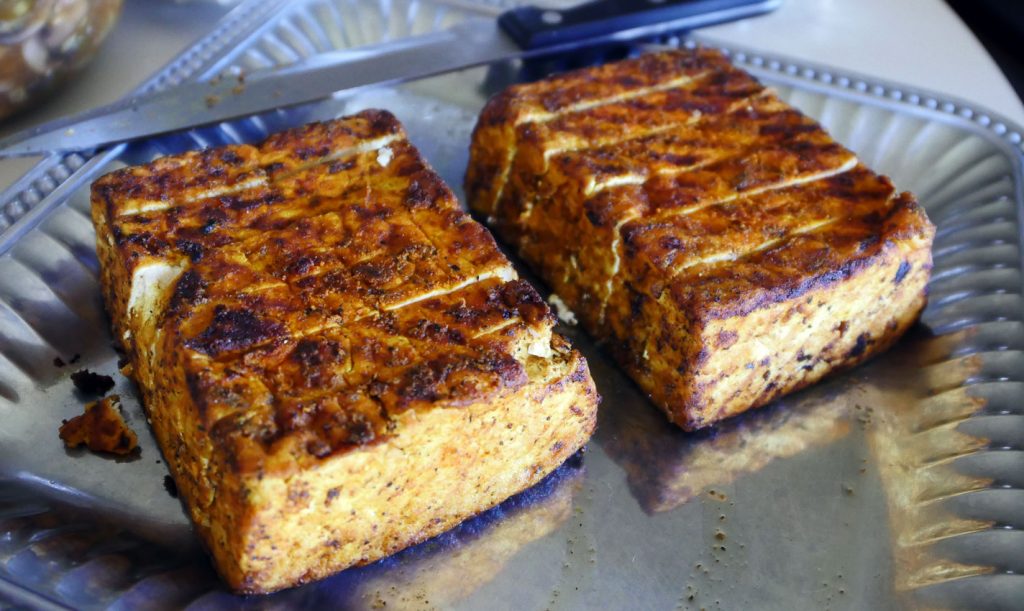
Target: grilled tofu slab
{"x": 725, "y": 247}
{"x": 336, "y": 360}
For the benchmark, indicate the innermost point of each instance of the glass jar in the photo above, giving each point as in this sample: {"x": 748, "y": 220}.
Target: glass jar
{"x": 42, "y": 42}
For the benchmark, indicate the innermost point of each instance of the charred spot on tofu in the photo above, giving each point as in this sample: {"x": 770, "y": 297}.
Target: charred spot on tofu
{"x": 232, "y": 330}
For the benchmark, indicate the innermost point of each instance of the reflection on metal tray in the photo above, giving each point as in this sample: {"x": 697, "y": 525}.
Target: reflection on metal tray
{"x": 898, "y": 483}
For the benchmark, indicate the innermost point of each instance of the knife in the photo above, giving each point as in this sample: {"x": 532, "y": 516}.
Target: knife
{"x": 516, "y": 34}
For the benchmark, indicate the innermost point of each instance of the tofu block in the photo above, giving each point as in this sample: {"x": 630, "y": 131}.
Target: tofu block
{"x": 725, "y": 248}
{"x": 336, "y": 360}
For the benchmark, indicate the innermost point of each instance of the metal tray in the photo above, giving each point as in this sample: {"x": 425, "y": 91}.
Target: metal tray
{"x": 897, "y": 484}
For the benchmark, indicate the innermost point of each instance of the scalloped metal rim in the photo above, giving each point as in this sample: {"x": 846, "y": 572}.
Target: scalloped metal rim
{"x": 48, "y": 184}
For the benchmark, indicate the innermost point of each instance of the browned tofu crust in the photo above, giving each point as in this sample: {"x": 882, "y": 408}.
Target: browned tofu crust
{"x": 337, "y": 361}
{"x": 725, "y": 247}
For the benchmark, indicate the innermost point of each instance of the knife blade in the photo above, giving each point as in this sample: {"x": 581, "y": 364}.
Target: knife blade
{"x": 516, "y": 34}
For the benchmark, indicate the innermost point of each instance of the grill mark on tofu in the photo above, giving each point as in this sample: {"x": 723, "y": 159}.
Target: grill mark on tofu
{"x": 552, "y": 114}
{"x": 631, "y": 147}
{"x": 642, "y": 115}
{"x": 140, "y": 206}
{"x": 392, "y": 362}
{"x": 362, "y": 301}
{"x": 735, "y": 255}
{"x": 727, "y": 231}
{"x": 542, "y": 117}
{"x": 233, "y": 330}
{"x": 593, "y": 85}
{"x": 793, "y": 267}
{"x": 261, "y": 178}
{"x": 196, "y": 176}
{"x": 725, "y": 140}
{"x": 730, "y": 179}
{"x": 609, "y": 124}
{"x": 370, "y": 146}
{"x": 730, "y": 172}
{"x": 504, "y": 274}
{"x": 253, "y": 212}
{"x": 427, "y": 205}
{"x": 762, "y": 122}
{"x": 375, "y": 257}
{"x": 667, "y": 200}
{"x": 636, "y": 160}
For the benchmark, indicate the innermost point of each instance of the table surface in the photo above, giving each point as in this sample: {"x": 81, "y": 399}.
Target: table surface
{"x": 916, "y": 42}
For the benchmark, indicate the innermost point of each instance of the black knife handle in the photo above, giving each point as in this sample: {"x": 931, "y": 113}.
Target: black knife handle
{"x": 534, "y": 28}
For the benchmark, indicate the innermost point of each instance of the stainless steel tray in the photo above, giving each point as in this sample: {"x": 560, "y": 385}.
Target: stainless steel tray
{"x": 897, "y": 484}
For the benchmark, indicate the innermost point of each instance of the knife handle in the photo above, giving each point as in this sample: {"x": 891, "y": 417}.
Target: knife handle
{"x": 533, "y": 28}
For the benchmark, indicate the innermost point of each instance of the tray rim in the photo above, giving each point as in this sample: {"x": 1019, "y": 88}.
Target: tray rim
{"x": 804, "y": 75}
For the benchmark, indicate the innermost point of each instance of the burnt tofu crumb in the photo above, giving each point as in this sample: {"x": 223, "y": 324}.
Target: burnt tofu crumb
{"x": 326, "y": 344}
{"x": 725, "y": 248}
{"x": 170, "y": 486}
{"x": 101, "y": 428}
{"x": 91, "y": 383}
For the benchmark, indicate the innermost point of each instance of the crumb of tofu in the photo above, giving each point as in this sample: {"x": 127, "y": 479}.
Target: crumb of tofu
{"x": 92, "y": 383}
{"x": 101, "y": 428}
{"x": 170, "y": 486}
